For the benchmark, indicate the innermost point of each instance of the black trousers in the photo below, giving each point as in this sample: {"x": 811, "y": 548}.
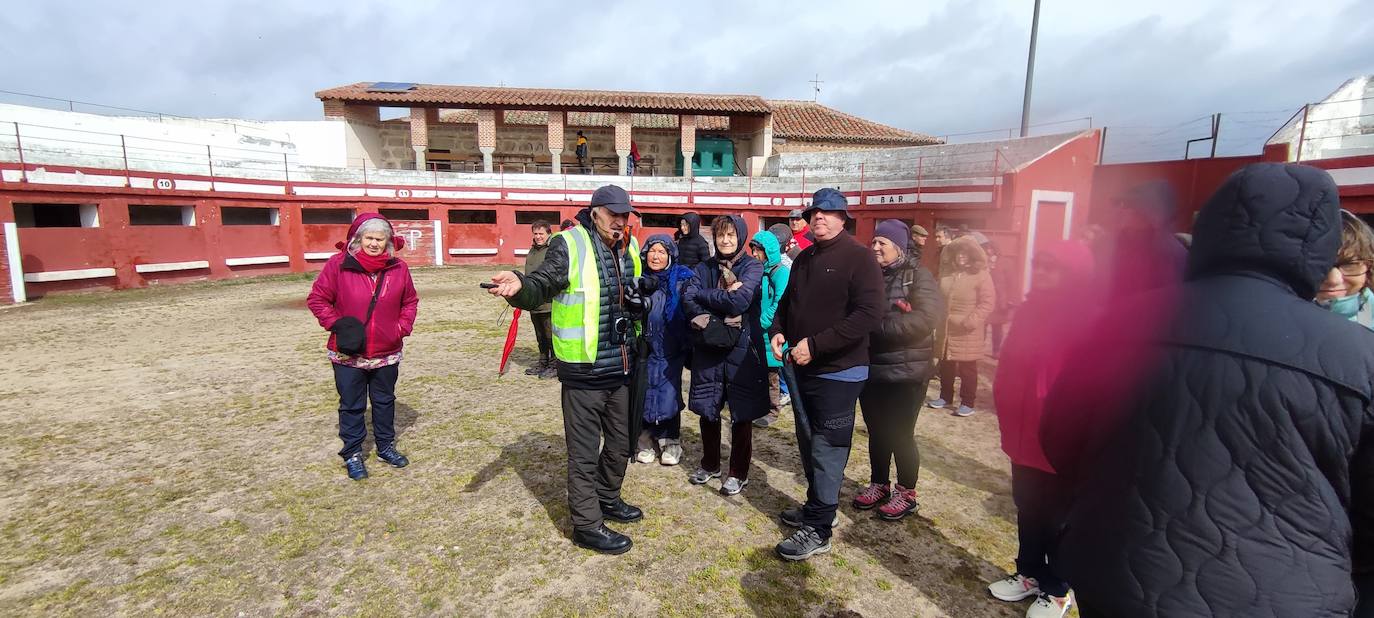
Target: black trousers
{"x": 355, "y": 387}
{"x": 543, "y": 333}
{"x": 595, "y": 471}
{"x": 667, "y": 429}
{"x": 967, "y": 372}
{"x": 825, "y": 432}
{"x": 890, "y": 412}
{"x": 1036, "y": 494}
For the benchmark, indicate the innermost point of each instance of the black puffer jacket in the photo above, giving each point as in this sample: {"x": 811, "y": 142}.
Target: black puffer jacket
{"x": 1235, "y": 477}
{"x": 692, "y": 249}
{"x": 551, "y": 279}
{"x": 903, "y": 347}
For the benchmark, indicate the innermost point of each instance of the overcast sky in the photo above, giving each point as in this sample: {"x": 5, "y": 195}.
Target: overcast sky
{"x": 938, "y": 68}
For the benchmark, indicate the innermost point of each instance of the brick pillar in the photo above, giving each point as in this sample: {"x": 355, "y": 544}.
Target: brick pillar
{"x": 688, "y": 124}
{"x": 622, "y": 139}
{"x": 486, "y": 136}
{"x": 419, "y": 135}
{"x": 556, "y": 139}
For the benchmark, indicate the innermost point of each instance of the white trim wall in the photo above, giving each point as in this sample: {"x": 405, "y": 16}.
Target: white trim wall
{"x": 16, "y": 263}
{"x": 1037, "y": 196}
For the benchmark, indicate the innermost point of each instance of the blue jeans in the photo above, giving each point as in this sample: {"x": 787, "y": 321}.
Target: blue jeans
{"x": 356, "y": 387}
{"x": 629, "y": 166}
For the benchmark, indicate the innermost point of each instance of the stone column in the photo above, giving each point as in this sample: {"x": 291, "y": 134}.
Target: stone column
{"x": 688, "y": 124}
{"x": 622, "y": 139}
{"x": 486, "y": 136}
{"x": 419, "y": 135}
{"x": 556, "y": 140}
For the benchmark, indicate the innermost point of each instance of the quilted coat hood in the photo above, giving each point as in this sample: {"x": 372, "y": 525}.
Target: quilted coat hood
{"x": 1279, "y": 220}
{"x": 771, "y": 250}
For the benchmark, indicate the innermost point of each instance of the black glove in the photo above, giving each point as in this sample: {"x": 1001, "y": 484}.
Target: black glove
{"x": 350, "y": 337}
{"x": 634, "y": 304}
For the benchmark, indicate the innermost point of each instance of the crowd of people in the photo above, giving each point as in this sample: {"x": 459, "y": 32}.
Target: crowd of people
{"x": 1185, "y": 421}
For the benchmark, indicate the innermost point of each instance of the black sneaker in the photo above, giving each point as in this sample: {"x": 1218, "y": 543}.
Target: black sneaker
{"x": 619, "y": 511}
{"x": 550, "y": 372}
{"x": 803, "y": 544}
{"x": 535, "y": 369}
{"x": 356, "y": 470}
{"x": 602, "y": 539}
{"x": 392, "y": 456}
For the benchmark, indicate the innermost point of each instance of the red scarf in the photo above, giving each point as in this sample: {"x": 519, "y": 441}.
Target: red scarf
{"x": 371, "y": 263}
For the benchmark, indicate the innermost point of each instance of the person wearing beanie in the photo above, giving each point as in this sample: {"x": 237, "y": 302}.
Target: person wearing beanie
{"x": 902, "y": 360}
{"x": 821, "y": 330}
{"x": 365, "y": 298}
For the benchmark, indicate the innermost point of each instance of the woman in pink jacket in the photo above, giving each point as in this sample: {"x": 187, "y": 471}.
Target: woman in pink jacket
{"x": 1046, "y": 328}
{"x": 365, "y": 298}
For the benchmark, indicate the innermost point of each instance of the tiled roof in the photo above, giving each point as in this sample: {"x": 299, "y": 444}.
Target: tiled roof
{"x": 549, "y": 98}
{"x": 586, "y": 119}
{"x": 807, "y": 121}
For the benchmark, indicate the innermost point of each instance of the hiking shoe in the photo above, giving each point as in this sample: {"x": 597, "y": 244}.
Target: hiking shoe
{"x": 392, "y": 456}
{"x": 901, "y": 503}
{"x": 964, "y": 411}
{"x": 803, "y": 544}
{"x": 549, "y": 372}
{"x": 766, "y": 420}
{"x": 702, "y": 475}
{"x": 871, "y": 496}
{"x": 1014, "y": 588}
{"x": 356, "y": 470}
{"x": 732, "y": 486}
{"x": 672, "y": 452}
{"x": 536, "y": 368}
{"x": 793, "y": 518}
{"x": 1046, "y": 606}
{"x": 937, "y": 404}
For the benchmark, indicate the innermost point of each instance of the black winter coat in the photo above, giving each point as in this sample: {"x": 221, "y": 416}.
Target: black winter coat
{"x": 1236, "y": 476}
{"x": 737, "y": 377}
{"x": 903, "y": 347}
{"x": 613, "y": 361}
{"x": 692, "y": 249}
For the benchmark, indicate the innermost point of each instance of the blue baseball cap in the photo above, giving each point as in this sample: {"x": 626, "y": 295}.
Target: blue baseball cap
{"x": 614, "y": 198}
{"x": 827, "y": 199}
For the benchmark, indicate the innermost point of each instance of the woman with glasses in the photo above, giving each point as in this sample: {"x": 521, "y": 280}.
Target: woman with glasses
{"x": 1346, "y": 289}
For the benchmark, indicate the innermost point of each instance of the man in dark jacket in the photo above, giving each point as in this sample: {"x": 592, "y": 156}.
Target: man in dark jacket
{"x": 692, "y": 249}
{"x": 591, "y": 264}
{"x": 540, "y": 317}
{"x": 834, "y": 299}
{"x": 1220, "y": 462}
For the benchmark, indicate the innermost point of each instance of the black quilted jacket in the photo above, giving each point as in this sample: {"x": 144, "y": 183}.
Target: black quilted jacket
{"x": 1235, "y": 477}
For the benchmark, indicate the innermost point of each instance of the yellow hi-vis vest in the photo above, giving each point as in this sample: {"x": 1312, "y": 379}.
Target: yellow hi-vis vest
{"x": 577, "y": 310}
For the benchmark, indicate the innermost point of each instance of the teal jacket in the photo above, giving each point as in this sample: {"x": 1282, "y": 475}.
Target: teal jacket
{"x": 1358, "y": 308}
{"x": 775, "y": 277}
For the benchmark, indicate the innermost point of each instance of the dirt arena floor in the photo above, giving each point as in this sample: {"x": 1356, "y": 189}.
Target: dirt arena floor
{"x": 173, "y": 451}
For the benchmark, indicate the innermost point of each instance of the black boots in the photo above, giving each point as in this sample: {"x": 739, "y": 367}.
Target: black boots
{"x": 602, "y": 539}
{"x": 618, "y": 511}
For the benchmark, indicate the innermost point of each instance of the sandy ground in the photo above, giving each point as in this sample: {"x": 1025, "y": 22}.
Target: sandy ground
{"x": 173, "y": 450}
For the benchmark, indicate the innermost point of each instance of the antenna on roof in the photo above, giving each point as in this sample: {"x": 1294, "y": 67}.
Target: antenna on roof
{"x": 816, "y": 85}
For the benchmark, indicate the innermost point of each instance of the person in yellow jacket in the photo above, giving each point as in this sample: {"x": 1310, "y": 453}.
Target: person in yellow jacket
{"x": 590, "y": 274}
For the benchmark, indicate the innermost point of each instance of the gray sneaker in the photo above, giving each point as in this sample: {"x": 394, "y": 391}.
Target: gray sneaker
{"x": 793, "y": 518}
{"x": 702, "y": 475}
{"x": 964, "y": 411}
{"x": 803, "y": 544}
{"x": 732, "y": 486}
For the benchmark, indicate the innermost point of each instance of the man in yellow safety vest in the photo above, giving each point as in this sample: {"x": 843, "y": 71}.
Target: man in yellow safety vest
{"x": 590, "y": 273}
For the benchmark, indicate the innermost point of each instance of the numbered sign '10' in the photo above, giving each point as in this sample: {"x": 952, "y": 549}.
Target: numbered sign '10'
{"x": 164, "y": 184}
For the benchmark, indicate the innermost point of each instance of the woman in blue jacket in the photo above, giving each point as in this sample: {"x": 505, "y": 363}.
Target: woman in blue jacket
{"x": 723, "y": 307}
{"x": 666, "y": 330}
{"x": 767, "y": 250}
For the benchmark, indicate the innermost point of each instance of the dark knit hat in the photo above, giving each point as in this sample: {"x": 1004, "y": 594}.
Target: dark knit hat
{"x": 894, "y": 230}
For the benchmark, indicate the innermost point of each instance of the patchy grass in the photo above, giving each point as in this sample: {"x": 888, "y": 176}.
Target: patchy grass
{"x": 174, "y": 453}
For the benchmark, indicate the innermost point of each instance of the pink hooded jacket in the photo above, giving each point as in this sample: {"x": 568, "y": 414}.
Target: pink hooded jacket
{"x": 343, "y": 288}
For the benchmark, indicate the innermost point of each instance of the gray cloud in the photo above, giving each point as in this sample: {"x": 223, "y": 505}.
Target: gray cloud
{"x": 944, "y": 68}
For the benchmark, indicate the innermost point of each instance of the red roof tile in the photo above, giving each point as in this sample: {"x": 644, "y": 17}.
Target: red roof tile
{"x": 548, "y": 98}
{"x": 807, "y": 121}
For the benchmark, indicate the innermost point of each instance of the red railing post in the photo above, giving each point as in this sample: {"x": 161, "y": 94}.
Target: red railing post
{"x": 285, "y": 167}
{"x": 19, "y": 145}
{"x": 124, "y": 148}
{"x": 920, "y": 170}
{"x": 210, "y": 162}
{"x": 364, "y": 176}
{"x": 862, "y": 202}
{"x": 1302, "y": 132}
{"x": 803, "y": 186}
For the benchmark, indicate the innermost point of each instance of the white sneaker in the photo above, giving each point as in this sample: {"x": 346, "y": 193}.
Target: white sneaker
{"x": 672, "y": 452}
{"x": 1046, "y": 606}
{"x": 1017, "y": 587}
{"x": 645, "y": 455}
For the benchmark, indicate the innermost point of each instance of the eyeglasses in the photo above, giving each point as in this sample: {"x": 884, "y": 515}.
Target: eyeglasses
{"x": 1353, "y": 269}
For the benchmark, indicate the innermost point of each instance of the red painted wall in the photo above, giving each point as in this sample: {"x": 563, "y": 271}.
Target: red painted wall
{"x": 1194, "y": 180}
